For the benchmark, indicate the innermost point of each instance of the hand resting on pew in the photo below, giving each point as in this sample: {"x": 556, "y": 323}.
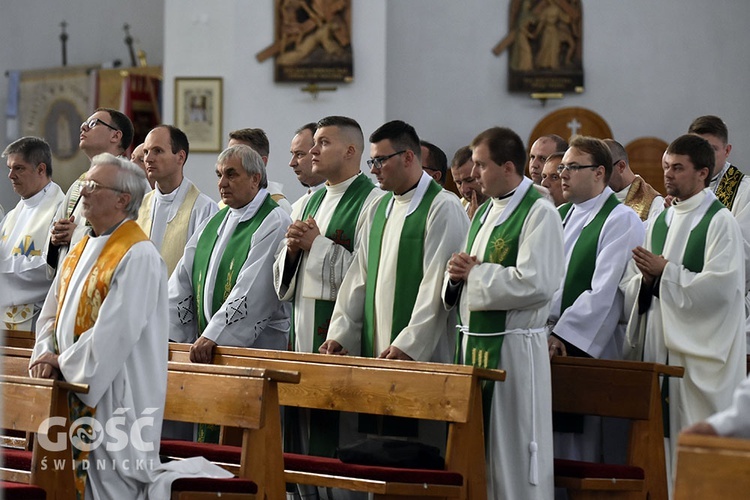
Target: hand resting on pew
{"x": 332, "y": 347}
{"x": 394, "y": 352}
{"x": 202, "y": 350}
{"x": 46, "y": 366}
{"x": 703, "y": 428}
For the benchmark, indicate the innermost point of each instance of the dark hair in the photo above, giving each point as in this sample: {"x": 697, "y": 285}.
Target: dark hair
{"x": 177, "y": 139}
{"x": 347, "y": 124}
{"x": 123, "y": 124}
{"x": 402, "y": 137}
{"x": 312, "y": 127}
{"x": 561, "y": 145}
{"x": 710, "y": 124}
{"x": 439, "y": 160}
{"x": 698, "y": 149}
{"x": 598, "y": 150}
{"x": 504, "y": 145}
{"x": 256, "y": 138}
{"x": 461, "y": 156}
{"x": 34, "y": 150}
{"x": 617, "y": 150}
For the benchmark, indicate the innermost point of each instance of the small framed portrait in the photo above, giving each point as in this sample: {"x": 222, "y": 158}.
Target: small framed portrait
{"x": 198, "y": 112}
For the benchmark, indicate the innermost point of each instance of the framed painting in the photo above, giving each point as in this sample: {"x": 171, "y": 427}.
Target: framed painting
{"x": 198, "y": 112}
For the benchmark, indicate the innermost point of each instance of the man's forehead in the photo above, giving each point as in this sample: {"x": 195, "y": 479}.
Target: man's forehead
{"x": 574, "y": 154}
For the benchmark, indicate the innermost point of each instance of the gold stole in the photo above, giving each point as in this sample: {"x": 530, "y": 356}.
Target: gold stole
{"x": 640, "y": 197}
{"x": 175, "y": 236}
{"x": 94, "y": 291}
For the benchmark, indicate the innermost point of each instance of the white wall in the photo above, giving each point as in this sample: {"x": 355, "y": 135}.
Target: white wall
{"x": 650, "y": 67}
{"x": 29, "y": 39}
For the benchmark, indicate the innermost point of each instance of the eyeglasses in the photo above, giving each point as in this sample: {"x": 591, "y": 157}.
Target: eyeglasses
{"x": 573, "y": 168}
{"x": 90, "y": 186}
{"x": 378, "y": 161}
{"x": 92, "y": 123}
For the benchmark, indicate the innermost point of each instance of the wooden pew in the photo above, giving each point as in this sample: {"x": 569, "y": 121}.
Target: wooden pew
{"x": 432, "y": 391}
{"x": 712, "y": 467}
{"x": 27, "y": 404}
{"x": 15, "y": 361}
{"x": 622, "y": 389}
{"x": 17, "y": 338}
{"x": 239, "y": 397}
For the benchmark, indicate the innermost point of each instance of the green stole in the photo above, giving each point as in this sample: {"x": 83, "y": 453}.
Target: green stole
{"x": 324, "y": 424}
{"x": 232, "y": 259}
{"x": 692, "y": 260}
{"x": 502, "y": 248}
{"x": 236, "y": 250}
{"x": 582, "y": 262}
{"x": 409, "y": 266}
{"x": 341, "y": 230}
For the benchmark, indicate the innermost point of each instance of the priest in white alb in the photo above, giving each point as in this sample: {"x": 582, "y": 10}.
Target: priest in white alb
{"x": 685, "y": 289}
{"x": 25, "y": 277}
{"x": 502, "y": 283}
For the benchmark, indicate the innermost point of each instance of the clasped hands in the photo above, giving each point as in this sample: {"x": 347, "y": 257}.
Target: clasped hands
{"x": 300, "y": 235}
{"x": 459, "y": 266}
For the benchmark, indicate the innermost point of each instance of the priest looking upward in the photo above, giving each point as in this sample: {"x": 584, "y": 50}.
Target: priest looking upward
{"x": 686, "y": 290}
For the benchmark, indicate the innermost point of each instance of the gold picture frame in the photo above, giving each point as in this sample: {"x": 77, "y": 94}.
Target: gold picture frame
{"x": 198, "y": 112}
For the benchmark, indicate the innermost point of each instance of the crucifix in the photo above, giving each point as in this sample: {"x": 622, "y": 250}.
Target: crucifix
{"x": 129, "y": 43}
{"x": 574, "y": 126}
{"x": 64, "y": 40}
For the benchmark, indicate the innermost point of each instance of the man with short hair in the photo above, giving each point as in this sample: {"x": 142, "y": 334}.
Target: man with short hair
{"x": 393, "y": 307}
{"x": 586, "y": 310}
{"x": 502, "y": 284}
{"x": 221, "y": 292}
{"x": 319, "y": 245}
{"x": 686, "y": 288}
{"x": 301, "y": 163}
{"x": 540, "y": 150}
{"x": 24, "y": 233}
{"x": 104, "y": 324}
{"x": 630, "y": 189}
{"x": 173, "y": 211}
{"x": 105, "y": 131}
{"x": 461, "y": 170}
{"x": 730, "y": 186}
{"x": 257, "y": 139}
{"x": 137, "y": 157}
{"x": 551, "y": 179}
{"x": 434, "y": 162}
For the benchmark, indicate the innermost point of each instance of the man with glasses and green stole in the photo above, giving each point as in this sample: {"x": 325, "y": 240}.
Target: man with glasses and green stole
{"x": 585, "y": 318}
{"x": 502, "y": 283}
{"x": 221, "y": 292}
{"x": 685, "y": 291}
{"x": 106, "y": 131}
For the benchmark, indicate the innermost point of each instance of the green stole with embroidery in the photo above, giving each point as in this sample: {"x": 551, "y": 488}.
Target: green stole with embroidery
{"x": 324, "y": 424}
{"x": 502, "y": 248}
{"x": 728, "y": 186}
{"x": 341, "y": 230}
{"x": 409, "y": 266}
{"x": 582, "y": 262}
{"x": 232, "y": 259}
{"x": 692, "y": 260}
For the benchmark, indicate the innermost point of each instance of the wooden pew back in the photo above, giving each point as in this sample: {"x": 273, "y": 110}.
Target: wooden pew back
{"x": 432, "y": 391}
{"x": 17, "y": 338}
{"x": 712, "y": 467}
{"x": 27, "y": 404}
{"x": 623, "y": 389}
{"x": 240, "y": 397}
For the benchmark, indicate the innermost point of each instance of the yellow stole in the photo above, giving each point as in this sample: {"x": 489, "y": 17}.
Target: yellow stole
{"x": 95, "y": 290}
{"x": 640, "y": 197}
{"x": 175, "y": 236}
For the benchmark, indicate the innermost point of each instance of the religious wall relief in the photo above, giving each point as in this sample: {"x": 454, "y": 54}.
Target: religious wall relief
{"x": 545, "y": 41}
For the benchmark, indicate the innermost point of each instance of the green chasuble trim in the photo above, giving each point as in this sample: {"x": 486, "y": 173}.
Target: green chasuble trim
{"x": 580, "y": 270}
{"x": 232, "y": 259}
{"x": 409, "y": 267}
{"x": 695, "y": 248}
{"x": 729, "y": 185}
{"x": 502, "y": 248}
{"x": 341, "y": 230}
